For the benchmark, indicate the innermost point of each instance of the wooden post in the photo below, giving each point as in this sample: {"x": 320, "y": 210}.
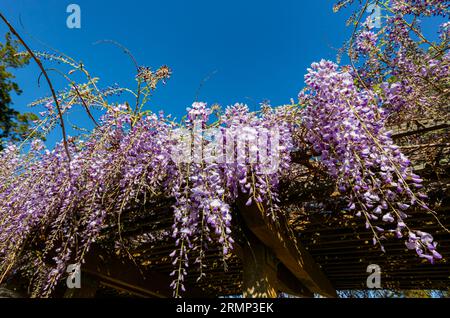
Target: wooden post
{"x": 260, "y": 271}
{"x": 280, "y": 239}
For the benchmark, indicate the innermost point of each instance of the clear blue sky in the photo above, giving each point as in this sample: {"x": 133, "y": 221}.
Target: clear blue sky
{"x": 259, "y": 49}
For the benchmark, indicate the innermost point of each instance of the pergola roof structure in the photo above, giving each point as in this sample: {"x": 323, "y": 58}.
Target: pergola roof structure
{"x": 314, "y": 248}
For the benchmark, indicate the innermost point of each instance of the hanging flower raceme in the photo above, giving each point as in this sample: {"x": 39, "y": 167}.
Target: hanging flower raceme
{"x": 242, "y": 155}
{"x": 345, "y": 128}
{"x": 411, "y": 96}
{"x": 263, "y": 145}
{"x": 68, "y": 203}
{"x": 366, "y": 41}
{"x": 201, "y": 215}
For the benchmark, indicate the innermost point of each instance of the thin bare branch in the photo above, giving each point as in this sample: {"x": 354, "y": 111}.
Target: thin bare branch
{"x": 38, "y": 62}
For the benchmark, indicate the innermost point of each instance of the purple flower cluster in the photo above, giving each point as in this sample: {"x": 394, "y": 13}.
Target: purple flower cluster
{"x": 204, "y": 189}
{"x": 422, "y": 241}
{"x": 366, "y": 41}
{"x": 44, "y": 196}
{"x": 345, "y": 127}
{"x": 421, "y": 7}
{"x": 409, "y": 72}
{"x": 411, "y": 96}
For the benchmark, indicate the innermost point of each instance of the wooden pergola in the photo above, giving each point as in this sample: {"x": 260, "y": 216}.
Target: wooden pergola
{"x": 314, "y": 248}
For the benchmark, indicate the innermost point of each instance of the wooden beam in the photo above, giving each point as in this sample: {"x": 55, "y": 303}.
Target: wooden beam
{"x": 280, "y": 239}
{"x": 283, "y": 280}
{"x": 260, "y": 272}
{"x": 123, "y": 275}
{"x": 289, "y": 284}
{"x": 6, "y": 292}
